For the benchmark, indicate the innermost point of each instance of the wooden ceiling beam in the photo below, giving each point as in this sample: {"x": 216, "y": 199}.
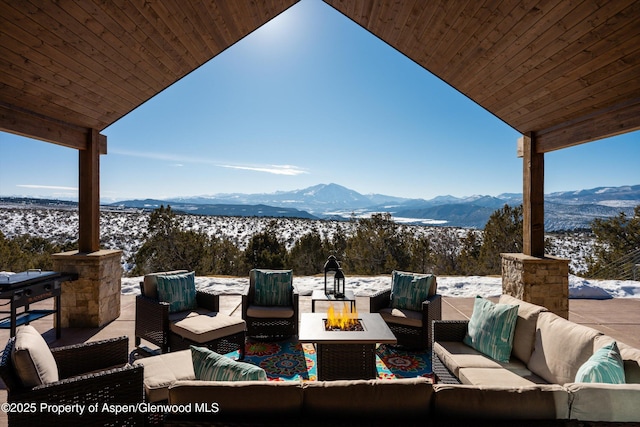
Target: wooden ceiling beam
{"x": 616, "y": 120}
{"x": 14, "y": 120}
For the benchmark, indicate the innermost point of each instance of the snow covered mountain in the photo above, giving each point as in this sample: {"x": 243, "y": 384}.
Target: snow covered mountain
{"x": 563, "y": 210}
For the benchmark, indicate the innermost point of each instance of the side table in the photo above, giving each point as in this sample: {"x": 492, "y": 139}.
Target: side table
{"x": 319, "y": 295}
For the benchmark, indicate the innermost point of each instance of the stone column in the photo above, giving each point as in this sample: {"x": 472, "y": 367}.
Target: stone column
{"x": 541, "y": 281}
{"x": 93, "y": 300}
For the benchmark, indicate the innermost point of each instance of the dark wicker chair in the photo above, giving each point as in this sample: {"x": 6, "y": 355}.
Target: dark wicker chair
{"x": 410, "y": 336}
{"x": 95, "y": 373}
{"x": 275, "y": 325}
{"x": 153, "y": 324}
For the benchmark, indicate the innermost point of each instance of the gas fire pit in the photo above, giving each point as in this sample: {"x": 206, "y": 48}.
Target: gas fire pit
{"x": 345, "y": 354}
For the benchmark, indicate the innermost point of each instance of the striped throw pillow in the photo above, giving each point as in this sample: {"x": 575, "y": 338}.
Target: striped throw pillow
{"x": 179, "y": 290}
{"x": 211, "y": 366}
{"x": 409, "y": 290}
{"x": 491, "y": 329}
{"x": 604, "y": 366}
{"x": 273, "y": 287}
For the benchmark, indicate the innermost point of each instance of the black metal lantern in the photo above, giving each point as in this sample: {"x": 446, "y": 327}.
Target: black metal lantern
{"x": 331, "y": 267}
{"x": 338, "y": 284}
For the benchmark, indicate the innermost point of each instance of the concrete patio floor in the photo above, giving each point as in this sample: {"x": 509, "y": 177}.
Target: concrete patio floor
{"x": 619, "y": 318}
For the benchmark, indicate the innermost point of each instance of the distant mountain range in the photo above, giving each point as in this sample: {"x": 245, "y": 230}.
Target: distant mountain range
{"x": 563, "y": 210}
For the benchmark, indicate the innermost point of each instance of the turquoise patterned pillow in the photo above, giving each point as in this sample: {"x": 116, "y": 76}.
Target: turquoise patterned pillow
{"x": 179, "y": 290}
{"x": 491, "y": 329}
{"x": 273, "y": 287}
{"x": 409, "y": 290}
{"x": 211, "y": 366}
{"x": 604, "y": 366}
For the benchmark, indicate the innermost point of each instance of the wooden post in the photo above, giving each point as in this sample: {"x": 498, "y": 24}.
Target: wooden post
{"x": 89, "y": 195}
{"x": 532, "y": 197}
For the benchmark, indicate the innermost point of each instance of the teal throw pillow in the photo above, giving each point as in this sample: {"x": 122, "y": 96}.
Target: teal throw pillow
{"x": 491, "y": 329}
{"x": 273, "y": 287}
{"x": 211, "y": 366}
{"x": 179, "y": 290}
{"x": 409, "y": 290}
{"x": 604, "y": 366}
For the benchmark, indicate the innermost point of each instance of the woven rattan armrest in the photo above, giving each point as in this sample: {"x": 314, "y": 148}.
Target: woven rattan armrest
{"x": 379, "y": 300}
{"x": 92, "y": 356}
{"x": 449, "y": 330}
{"x": 208, "y": 300}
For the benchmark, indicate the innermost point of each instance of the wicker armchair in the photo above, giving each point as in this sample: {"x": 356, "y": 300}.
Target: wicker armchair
{"x": 411, "y": 328}
{"x": 154, "y": 323}
{"x": 95, "y": 373}
{"x": 277, "y": 322}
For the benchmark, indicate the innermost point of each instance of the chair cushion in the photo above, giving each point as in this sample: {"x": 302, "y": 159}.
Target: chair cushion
{"x": 491, "y": 328}
{"x": 604, "y": 366}
{"x": 273, "y": 287}
{"x": 409, "y": 290}
{"x": 179, "y": 290}
{"x": 561, "y": 348}
{"x": 150, "y": 282}
{"x": 211, "y": 366}
{"x": 273, "y": 312}
{"x": 32, "y": 359}
{"x": 402, "y": 316}
{"x": 208, "y": 327}
{"x": 163, "y": 370}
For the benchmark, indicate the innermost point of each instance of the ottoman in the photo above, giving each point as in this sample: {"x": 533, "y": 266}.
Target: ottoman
{"x": 216, "y": 331}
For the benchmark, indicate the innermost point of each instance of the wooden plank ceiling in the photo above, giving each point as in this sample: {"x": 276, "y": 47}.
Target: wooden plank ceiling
{"x": 567, "y": 71}
{"x": 68, "y": 66}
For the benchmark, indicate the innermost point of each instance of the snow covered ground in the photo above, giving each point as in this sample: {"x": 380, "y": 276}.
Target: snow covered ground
{"x": 453, "y": 286}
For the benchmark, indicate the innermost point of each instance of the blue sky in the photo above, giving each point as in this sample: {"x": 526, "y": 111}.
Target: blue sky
{"x": 310, "y": 98}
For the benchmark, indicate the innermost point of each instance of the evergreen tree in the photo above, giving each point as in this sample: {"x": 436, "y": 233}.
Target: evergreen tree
{"x": 502, "y": 234}
{"x": 616, "y": 238}
{"x": 309, "y": 254}
{"x": 167, "y": 247}
{"x": 378, "y": 245}
{"x": 421, "y": 255}
{"x": 470, "y": 253}
{"x": 265, "y": 250}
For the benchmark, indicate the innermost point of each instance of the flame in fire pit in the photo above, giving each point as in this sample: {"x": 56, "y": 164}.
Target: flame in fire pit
{"x": 343, "y": 321}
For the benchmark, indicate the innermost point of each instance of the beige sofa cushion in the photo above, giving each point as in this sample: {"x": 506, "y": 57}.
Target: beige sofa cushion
{"x": 163, "y": 370}
{"x": 456, "y": 355}
{"x": 561, "y": 348}
{"x": 537, "y": 402}
{"x": 265, "y": 399}
{"x": 208, "y": 327}
{"x": 525, "y": 334}
{"x": 492, "y": 377}
{"x": 150, "y": 282}
{"x": 32, "y": 359}
{"x": 368, "y": 398}
{"x": 605, "y": 402}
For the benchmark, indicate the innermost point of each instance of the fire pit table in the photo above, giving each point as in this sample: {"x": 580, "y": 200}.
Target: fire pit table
{"x": 345, "y": 355}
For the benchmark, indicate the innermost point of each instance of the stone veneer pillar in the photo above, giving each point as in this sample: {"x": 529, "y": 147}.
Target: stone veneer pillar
{"x": 541, "y": 281}
{"x": 93, "y": 300}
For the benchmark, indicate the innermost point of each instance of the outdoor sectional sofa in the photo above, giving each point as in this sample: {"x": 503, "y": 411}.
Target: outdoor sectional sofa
{"x": 471, "y": 386}
{"x": 538, "y": 381}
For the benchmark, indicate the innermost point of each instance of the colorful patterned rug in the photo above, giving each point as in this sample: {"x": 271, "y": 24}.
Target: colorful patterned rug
{"x": 291, "y": 361}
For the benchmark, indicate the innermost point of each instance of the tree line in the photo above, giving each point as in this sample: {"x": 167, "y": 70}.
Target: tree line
{"x": 377, "y": 245}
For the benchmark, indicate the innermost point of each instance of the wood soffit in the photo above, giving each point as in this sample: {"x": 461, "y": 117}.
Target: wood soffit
{"x": 566, "y": 72}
